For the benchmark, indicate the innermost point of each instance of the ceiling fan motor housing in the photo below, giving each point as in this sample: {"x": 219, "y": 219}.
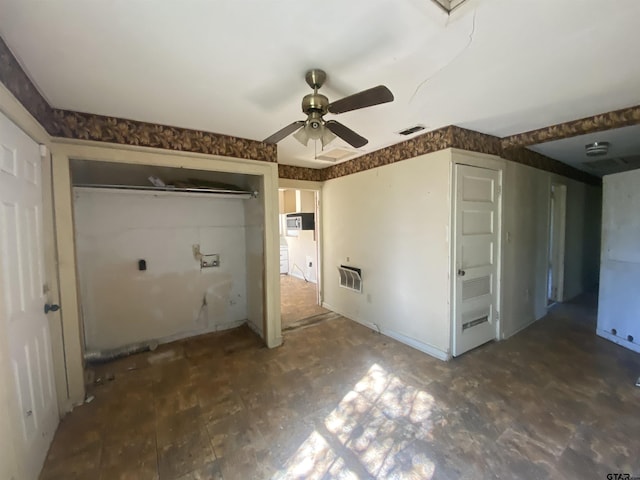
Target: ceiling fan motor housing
{"x": 315, "y": 102}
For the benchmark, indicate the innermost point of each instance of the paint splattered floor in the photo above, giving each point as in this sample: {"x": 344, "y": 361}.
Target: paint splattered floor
{"x": 340, "y": 401}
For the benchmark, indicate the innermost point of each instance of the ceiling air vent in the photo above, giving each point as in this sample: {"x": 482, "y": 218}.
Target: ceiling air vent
{"x": 335, "y": 154}
{"x": 410, "y": 130}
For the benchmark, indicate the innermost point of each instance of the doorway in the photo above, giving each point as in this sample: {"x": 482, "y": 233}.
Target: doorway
{"x": 300, "y": 299}
{"x": 476, "y": 256}
{"x": 175, "y": 246}
{"x": 557, "y": 221}
{"x": 262, "y": 219}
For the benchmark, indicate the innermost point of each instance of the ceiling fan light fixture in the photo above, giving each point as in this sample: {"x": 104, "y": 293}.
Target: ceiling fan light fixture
{"x": 327, "y": 137}
{"x": 302, "y": 136}
{"x": 314, "y": 125}
{"x": 315, "y": 106}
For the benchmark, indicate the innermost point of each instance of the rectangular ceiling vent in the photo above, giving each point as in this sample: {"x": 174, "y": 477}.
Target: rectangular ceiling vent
{"x": 410, "y": 130}
{"x": 335, "y": 154}
{"x": 449, "y": 5}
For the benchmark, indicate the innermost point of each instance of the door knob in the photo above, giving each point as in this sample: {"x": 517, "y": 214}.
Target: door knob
{"x": 461, "y": 272}
{"x": 51, "y": 308}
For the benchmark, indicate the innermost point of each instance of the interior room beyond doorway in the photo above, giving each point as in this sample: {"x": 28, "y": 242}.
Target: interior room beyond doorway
{"x": 299, "y": 257}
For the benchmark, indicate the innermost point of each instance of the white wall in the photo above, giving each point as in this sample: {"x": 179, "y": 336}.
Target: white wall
{"x": 582, "y": 253}
{"x": 254, "y": 219}
{"x": 173, "y": 298}
{"x": 525, "y": 245}
{"x": 393, "y": 223}
{"x": 302, "y": 249}
{"x": 398, "y": 233}
{"x": 526, "y": 242}
{"x": 619, "y": 302}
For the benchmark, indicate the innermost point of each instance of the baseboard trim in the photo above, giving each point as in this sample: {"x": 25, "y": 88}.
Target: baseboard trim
{"x": 194, "y": 333}
{"x": 620, "y": 341}
{"x": 526, "y": 325}
{"x": 411, "y": 342}
{"x": 255, "y": 329}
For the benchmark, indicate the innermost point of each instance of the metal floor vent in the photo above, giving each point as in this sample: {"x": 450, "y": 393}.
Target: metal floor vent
{"x": 350, "y": 278}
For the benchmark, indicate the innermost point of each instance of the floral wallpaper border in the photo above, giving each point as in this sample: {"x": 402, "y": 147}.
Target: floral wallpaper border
{"x": 19, "y": 84}
{"x": 596, "y": 123}
{"x": 455, "y": 137}
{"x": 542, "y": 162}
{"x": 426, "y": 143}
{"x": 85, "y": 126}
{"x": 301, "y": 173}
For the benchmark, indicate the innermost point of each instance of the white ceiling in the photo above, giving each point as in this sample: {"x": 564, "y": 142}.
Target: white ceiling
{"x": 624, "y": 144}
{"x": 237, "y": 67}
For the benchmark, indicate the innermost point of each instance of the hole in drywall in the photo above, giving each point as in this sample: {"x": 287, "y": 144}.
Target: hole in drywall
{"x": 614, "y": 331}
{"x": 630, "y": 338}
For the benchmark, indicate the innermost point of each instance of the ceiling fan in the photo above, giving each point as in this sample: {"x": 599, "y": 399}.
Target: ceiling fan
{"x": 315, "y": 106}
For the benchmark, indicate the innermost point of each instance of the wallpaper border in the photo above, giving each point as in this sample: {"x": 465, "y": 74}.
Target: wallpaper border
{"x": 20, "y": 85}
{"x": 85, "y": 126}
{"x": 597, "y": 123}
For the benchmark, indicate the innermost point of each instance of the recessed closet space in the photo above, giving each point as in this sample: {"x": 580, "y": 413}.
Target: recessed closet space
{"x": 166, "y": 253}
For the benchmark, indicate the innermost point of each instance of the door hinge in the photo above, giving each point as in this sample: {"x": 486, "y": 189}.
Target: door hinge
{"x": 497, "y": 315}
{"x": 499, "y": 190}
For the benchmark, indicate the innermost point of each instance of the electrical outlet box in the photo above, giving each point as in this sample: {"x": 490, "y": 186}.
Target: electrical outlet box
{"x": 208, "y": 261}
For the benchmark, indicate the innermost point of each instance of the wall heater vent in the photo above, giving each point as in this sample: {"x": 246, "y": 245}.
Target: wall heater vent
{"x": 351, "y": 278}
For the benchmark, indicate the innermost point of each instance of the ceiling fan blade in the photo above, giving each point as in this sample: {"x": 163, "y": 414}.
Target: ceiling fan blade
{"x": 283, "y": 132}
{"x": 366, "y": 98}
{"x": 345, "y": 133}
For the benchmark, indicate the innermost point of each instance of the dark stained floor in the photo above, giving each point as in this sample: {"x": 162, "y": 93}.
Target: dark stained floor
{"x": 298, "y": 300}
{"x": 340, "y": 401}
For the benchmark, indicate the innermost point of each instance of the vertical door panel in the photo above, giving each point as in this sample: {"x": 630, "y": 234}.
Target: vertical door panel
{"x": 476, "y": 213}
{"x": 22, "y": 261}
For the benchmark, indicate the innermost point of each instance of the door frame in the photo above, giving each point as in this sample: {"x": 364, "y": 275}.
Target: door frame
{"x": 559, "y": 192}
{"x": 316, "y": 187}
{"x": 19, "y": 116}
{"x": 489, "y": 162}
{"x": 66, "y": 150}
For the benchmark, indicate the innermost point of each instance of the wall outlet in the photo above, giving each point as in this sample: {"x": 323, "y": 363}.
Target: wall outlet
{"x": 208, "y": 261}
